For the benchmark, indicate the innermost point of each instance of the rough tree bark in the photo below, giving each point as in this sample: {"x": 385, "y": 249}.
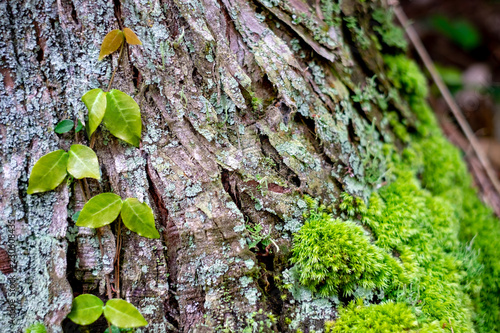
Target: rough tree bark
{"x": 246, "y": 106}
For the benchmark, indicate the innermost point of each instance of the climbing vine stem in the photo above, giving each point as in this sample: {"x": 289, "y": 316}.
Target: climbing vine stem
{"x": 116, "y": 68}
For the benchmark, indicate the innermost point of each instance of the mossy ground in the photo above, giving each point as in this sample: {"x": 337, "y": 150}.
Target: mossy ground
{"x": 429, "y": 243}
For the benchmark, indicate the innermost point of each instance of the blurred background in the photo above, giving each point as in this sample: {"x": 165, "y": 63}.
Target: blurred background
{"x": 463, "y": 39}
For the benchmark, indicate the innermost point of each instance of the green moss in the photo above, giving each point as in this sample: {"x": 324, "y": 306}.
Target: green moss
{"x": 428, "y": 243}
{"x": 423, "y": 230}
{"x": 326, "y": 253}
{"x": 382, "y": 318}
{"x": 443, "y": 168}
{"x": 445, "y": 175}
{"x": 412, "y": 84}
{"x": 480, "y": 225}
{"x": 398, "y": 127}
{"x": 406, "y": 76}
{"x": 432, "y": 217}
{"x": 427, "y": 123}
{"x": 446, "y": 273}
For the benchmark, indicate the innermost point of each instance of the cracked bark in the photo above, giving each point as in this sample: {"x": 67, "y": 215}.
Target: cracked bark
{"x": 237, "y": 126}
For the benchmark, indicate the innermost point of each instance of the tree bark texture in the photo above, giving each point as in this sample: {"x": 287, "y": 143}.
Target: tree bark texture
{"x": 246, "y": 106}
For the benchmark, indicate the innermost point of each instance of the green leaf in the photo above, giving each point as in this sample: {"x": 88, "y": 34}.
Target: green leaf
{"x": 95, "y": 101}
{"x": 48, "y": 172}
{"x": 139, "y": 218}
{"x": 111, "y": 42}
{"x": 83, "y": 162}
{"x": 100, "y": 210}
{"x": 79, "y": 126}
{"x": 123, "y": 117}
{"x": 123, "y": 314}
{"x": 86, "y": 309}
{"x": 64, "y": 126}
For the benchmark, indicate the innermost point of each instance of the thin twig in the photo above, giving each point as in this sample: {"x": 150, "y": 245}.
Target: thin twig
{"x": 80, "y": 182}
{"x": 87, "y": 189}
{"x": 117, "y": 66}
{"x": 92, "y": 141}
{"x": 457, "y": 113}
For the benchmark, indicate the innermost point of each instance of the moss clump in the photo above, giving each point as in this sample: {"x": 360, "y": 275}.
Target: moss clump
{"x": 444, "y": 174}
{"x": 382, "y": 318}
{"x": 443, "y": 169}
{"x": 406, "y": 76}
{"x": 431, "y": 218}
{"x": 423, "y": 230}
{"x": 480, "y": 227}
{"x": 447, "y": 274}
{"x": 335, "y": 256}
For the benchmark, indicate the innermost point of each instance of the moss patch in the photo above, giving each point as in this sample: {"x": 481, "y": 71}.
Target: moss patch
{"x": 444, "y": 175}
{"x": 430, "y": 244}
{"x": 326, "y": 252}
{"x": 387, "y": 317}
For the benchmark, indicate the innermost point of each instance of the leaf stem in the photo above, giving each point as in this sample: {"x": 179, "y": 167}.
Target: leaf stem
{"x": 92, "y": 140}
{"x": 80, "y": 182}
{"x": 117, "y": 66}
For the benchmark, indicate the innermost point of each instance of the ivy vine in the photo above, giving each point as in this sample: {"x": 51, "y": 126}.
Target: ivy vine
{"x": 121, "y": 115}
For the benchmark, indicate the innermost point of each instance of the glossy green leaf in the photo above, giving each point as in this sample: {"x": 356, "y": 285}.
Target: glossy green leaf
{"x": 131, "y": 37}
{"x": 86, "y": 309}
{"x": 79, "y": 126}
{"x": 82, "y": 162}
{"x": 139, "y": 218}
{"x": 100, "y": 211}
{"x": 123, "y": 314}
{"x": 111, "y": 42}
{"x": 95, "y": 101}
{"x": 64, "y": 126}
{"x": 123, "y": 117}
{"x": 48, "y": 172}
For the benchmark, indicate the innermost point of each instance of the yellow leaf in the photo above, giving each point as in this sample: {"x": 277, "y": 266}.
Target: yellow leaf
{"x": 111, "y": 43}
{"x": 131, "y": 37}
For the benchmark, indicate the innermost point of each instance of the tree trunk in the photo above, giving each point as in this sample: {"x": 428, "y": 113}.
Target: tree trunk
{"x": 246, "y": 106}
